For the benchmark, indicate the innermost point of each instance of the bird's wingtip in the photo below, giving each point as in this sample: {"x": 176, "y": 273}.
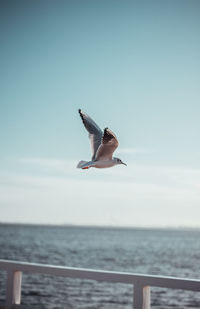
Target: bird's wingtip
{"x": 81, "y": 114}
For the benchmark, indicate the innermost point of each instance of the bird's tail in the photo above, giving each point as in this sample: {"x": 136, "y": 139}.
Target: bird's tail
{"x": 81, "y": 164}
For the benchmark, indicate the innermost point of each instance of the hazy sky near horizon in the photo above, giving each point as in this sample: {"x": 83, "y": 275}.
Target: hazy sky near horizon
{"x": 133, "y": 66}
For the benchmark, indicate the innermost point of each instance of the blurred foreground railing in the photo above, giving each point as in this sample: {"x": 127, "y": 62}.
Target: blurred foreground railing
{"x": 141, "y": 283}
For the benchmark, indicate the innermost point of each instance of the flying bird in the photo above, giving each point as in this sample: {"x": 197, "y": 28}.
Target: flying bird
{"x": 103, "y": 144}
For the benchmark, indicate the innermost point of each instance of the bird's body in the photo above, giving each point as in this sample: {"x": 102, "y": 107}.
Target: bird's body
{"x": 105, "y": 163}
{"x": 103, "y": 145}
{"x": 97, "y": 164}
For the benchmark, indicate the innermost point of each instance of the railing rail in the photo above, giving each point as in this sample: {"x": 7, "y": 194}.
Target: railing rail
{"x": 141, "y": 283}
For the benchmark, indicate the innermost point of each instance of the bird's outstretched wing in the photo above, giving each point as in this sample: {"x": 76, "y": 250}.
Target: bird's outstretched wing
{"x": 95, "y": 133}
{"x": 108, "y": 145}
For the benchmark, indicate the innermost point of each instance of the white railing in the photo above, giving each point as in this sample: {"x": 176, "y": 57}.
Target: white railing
{"x": 141, "y": 283}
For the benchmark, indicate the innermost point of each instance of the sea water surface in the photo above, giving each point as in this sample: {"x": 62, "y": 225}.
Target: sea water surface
{"x": 144, "y": 251}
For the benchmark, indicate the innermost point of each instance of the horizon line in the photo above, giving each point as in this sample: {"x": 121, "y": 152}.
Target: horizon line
{"x": 101, "y": 226}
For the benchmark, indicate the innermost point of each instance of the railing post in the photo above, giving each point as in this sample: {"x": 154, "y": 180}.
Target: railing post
{"x": 146, "y": 297}
{"x": 13, "y": 288}
{"x": 141, "y": 298}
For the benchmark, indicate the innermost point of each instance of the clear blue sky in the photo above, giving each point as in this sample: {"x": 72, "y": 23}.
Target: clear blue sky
{"x": 133, "y": 66}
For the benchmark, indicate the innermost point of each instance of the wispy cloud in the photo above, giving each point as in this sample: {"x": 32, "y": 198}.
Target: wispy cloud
{"x": 134, "y": 195}
{"x": 54, "y": 164}
{"x": 137, "y": 173}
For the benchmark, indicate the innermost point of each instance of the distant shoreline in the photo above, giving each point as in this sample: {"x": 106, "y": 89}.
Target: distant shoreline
{"x": 68, "y": 225}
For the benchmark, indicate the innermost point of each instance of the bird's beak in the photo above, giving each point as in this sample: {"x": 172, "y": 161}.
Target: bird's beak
{"x": 124, "y": 163}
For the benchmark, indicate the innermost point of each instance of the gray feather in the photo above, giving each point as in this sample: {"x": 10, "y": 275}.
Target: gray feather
{"x": 95, "y": 133}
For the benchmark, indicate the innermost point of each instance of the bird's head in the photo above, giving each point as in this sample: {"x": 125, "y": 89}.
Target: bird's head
{"x": 119, "y": 161}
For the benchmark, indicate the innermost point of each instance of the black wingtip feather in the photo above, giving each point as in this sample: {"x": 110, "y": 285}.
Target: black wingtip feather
{"x": 80, "y": 112}
{"x": 106, "y": 131}
{"x": 107, "y": 136}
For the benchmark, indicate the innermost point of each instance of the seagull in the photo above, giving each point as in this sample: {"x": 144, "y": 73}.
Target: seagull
{"x": 103, "y": 144}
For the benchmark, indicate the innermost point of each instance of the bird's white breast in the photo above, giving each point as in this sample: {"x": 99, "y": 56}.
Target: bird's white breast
{"x": 104, "y": 164}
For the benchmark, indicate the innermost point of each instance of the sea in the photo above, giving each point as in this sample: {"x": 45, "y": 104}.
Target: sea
{"x": 144, "y": 251}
